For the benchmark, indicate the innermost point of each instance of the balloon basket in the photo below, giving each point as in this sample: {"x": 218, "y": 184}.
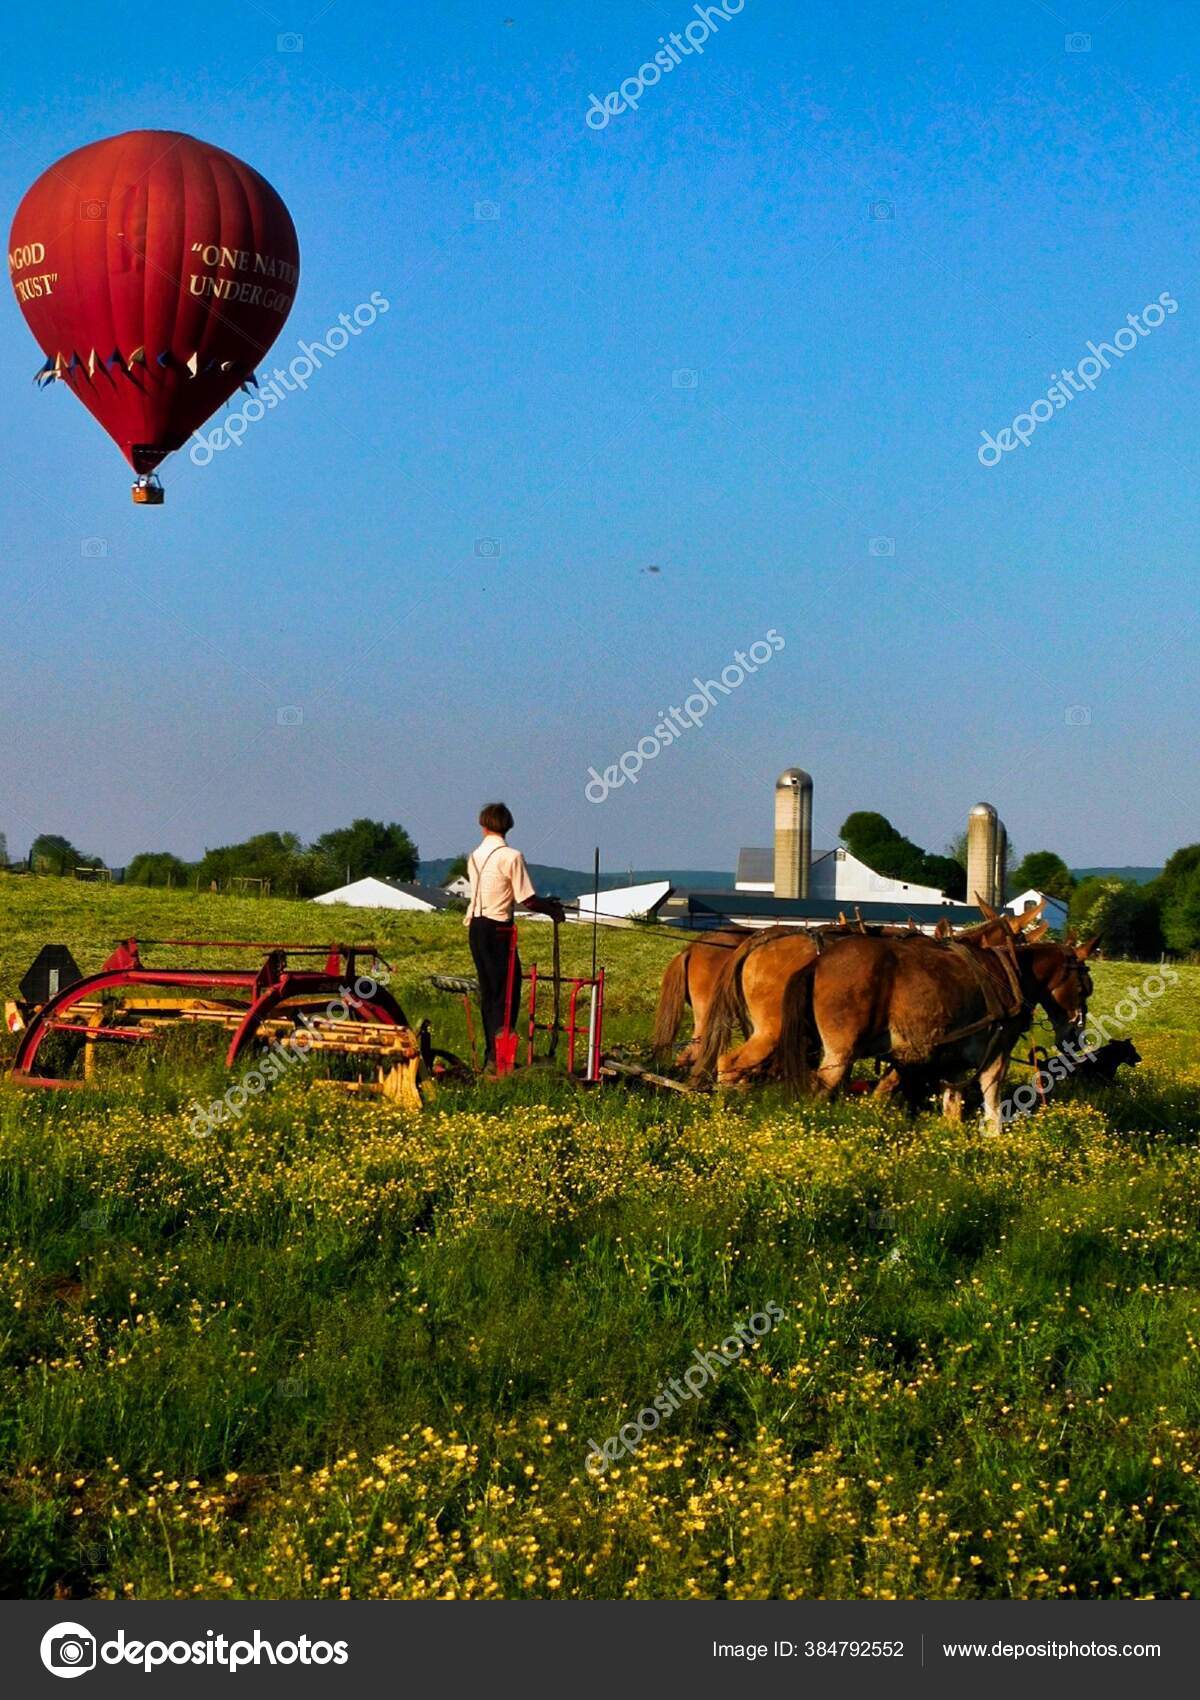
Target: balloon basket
{"x": 148, "y": 492}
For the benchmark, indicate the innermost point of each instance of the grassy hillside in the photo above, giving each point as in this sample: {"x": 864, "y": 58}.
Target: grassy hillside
{"x": 91, "y": 919}
{"x": 334, "y": 1351}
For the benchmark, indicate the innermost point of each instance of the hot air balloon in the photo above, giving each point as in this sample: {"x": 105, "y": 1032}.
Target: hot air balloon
{"x": 155, "y": 271}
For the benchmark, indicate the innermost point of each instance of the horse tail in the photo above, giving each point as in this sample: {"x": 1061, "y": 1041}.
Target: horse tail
{"x": 726, "y": 1011}
{"x": 797, "y": 1028}
{"x": 671, "y": 1000}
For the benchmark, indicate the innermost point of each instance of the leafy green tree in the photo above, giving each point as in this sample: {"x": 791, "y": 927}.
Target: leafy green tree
{"x": 866, "y": 827}
{"x": 1085, "y": 897}
{"x": 1181, "y": 913}
{"x": 157, "y": 867}
{"x": 457, "y": 870}
{"x": 363, "y": 848}
{"x": 946, "y": 873}
{"x": 275, "y": 856}
{"x": 1043, "y": 871}
{"x": 1178, "y": 867}
{"x": 50, "y": 853}
{"x": 1172, "y": 893}
{"x": 874, "y": 840}
{"x": 1123, "y": 915}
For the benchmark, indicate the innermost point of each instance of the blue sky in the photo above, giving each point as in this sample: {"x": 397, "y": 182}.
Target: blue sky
{"x": 863, "y": 233}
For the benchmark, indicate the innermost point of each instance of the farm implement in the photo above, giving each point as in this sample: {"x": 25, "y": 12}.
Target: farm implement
{"x": 297, "y": 999}
{"x": 301, "y": 998}
{"x": 584, "y": 1024}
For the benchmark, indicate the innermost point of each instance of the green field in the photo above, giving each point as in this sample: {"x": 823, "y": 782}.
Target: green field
{"x": 334, "y": 1351}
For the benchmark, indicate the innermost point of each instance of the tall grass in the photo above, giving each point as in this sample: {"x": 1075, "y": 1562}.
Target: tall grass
{"x": 334, "y": 1351}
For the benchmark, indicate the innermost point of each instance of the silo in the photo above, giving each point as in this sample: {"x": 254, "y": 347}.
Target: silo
{"x": 1000, "y": 879}
{"x": 983, "y": 834}
{"x": 793, "y": 832}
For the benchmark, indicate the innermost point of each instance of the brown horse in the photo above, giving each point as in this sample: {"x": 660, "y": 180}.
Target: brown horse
{"x": 942, "y": 1011}
{"x": 694, "y": 977}
{"x": 749, "y": 993}
{"x": 691, "y": 979}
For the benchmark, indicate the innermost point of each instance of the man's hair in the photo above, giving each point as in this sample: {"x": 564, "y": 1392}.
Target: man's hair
{"x": 496, "y": 817}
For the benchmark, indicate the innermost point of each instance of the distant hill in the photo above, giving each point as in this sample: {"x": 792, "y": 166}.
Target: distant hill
{"x": 1138, "y": 876}
{"x": 569, "y": 882}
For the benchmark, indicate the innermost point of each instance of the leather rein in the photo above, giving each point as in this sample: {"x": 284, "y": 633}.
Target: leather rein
{"x": 997, "y": 1011}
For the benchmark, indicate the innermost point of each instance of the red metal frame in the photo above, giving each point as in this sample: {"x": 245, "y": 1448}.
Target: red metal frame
{"x": 577, "y": 983}
{"x": 270, "y": 987}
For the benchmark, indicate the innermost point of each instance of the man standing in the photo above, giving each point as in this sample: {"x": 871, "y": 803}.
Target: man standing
{"x": 499, "y": 881}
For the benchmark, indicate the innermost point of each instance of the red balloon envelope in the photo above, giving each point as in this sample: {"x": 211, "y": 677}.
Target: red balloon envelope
{"x": 155, "y": 272}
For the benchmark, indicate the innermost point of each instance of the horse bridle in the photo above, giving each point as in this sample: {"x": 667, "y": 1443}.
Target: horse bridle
{"x": 1083, "y": 986}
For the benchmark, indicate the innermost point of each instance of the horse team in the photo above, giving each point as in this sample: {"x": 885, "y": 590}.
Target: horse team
{"x": 938, "y": 1013}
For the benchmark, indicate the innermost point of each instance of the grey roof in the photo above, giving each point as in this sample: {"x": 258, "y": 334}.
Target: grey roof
{"x": 757, "y": 867}
{"x": 430, "y": 894}
{"x": 716, "y": 906}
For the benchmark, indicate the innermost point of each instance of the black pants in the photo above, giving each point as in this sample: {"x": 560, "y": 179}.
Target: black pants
{"x": 489, "y": 941}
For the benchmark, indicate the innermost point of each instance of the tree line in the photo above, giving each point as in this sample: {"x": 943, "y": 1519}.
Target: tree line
{"x": 279, "y": 860}
{"x": 1143, "y": 920}
{"x": 1130, "y": 919}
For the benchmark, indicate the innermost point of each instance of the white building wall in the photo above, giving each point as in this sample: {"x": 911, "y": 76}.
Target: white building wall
{"x": 373, "y": 893}
{"x": 840, "y": 876}
{"x": 625, "y": 900}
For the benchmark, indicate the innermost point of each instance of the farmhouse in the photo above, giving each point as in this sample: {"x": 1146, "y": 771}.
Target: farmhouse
{"x": 1054, "y": 909}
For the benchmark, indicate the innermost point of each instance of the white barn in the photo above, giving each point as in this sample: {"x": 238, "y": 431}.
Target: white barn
{"x": 837, "y": 877}
{"x": 375, "y": 892}
{"x": 623, "y": 902}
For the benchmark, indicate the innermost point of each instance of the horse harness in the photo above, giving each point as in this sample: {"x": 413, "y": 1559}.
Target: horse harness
{"x": 997, "y": 1012}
